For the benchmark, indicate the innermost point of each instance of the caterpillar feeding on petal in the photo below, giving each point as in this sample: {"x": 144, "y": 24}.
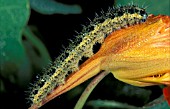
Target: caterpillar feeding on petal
{"x": 103, "y": 24}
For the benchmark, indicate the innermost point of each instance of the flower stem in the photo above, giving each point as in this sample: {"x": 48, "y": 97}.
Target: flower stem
{"x": 80, "y": 103}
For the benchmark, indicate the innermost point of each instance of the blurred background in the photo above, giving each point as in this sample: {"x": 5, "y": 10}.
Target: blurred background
{"x": 33, "y": 33}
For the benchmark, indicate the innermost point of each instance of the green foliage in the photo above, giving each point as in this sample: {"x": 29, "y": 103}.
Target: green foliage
{"x": 110, "y": 104}
{"x": 13, "y": 17}
{"x": 53, "y": 7}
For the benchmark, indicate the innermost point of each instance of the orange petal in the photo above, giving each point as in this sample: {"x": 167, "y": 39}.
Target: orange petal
{"x": 140, "y": 55}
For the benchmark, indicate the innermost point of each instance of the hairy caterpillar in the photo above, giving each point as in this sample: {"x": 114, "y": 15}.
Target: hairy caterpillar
{"x": 102, "y": 25}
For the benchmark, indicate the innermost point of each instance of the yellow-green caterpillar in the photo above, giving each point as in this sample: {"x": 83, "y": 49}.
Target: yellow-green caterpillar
{"x": 102, "y": 25}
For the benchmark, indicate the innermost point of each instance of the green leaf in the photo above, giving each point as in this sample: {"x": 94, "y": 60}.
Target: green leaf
{"x": 14, "y": 15}
{"x": 109, "y": 104}
{"x": 53, "y": 7}
{"x": 159, "y": 103}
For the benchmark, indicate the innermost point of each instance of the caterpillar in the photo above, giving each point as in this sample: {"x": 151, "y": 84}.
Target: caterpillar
{"x": 103, "y": 24}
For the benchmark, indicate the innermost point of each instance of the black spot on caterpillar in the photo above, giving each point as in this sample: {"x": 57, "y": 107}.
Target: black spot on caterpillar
{"x": 103, "y": 24}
